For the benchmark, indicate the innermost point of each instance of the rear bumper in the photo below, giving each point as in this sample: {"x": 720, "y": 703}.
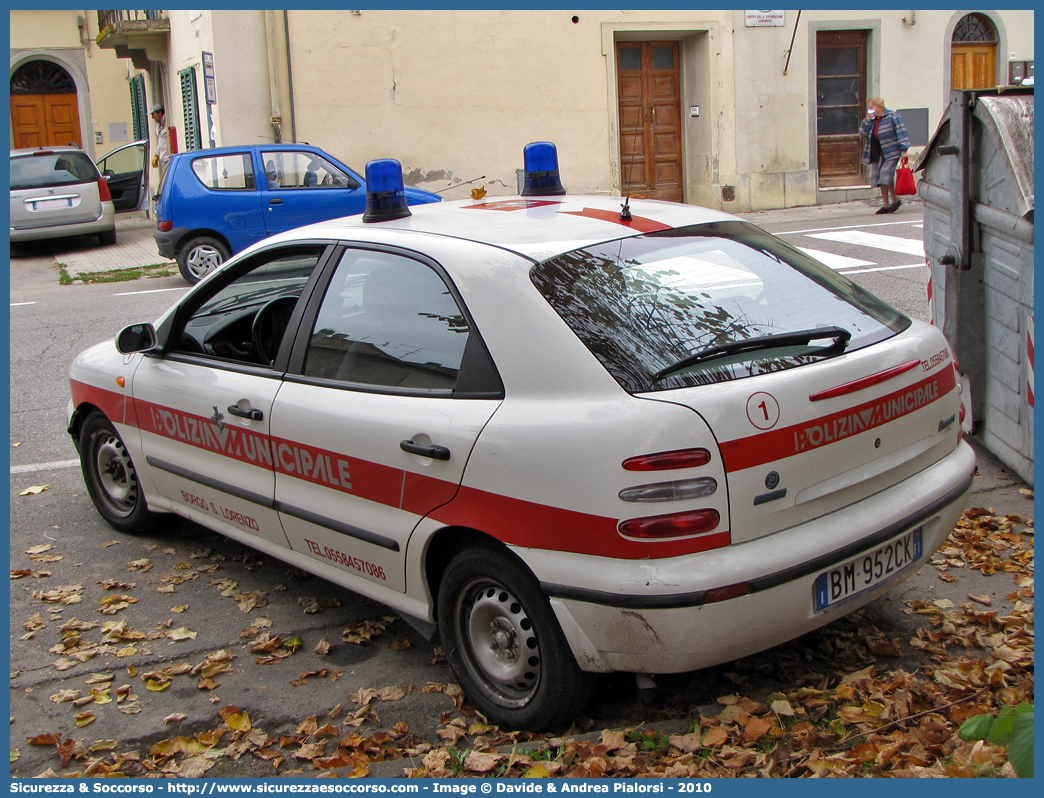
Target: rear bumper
{"x": 105, "y": 222}
{"x": 167, "y": 243}
{"x": 651, "y": 616}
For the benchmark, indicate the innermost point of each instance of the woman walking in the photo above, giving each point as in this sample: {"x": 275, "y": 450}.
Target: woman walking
{"x": 885, "y": 141}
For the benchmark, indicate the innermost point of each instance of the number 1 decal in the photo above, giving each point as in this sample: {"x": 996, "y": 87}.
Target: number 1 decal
{"x": 763, "y": 410}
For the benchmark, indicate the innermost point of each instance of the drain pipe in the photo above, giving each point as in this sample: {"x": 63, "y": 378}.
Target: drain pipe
{"x": 273, "y": 79}
{"x": 290, "y": 75}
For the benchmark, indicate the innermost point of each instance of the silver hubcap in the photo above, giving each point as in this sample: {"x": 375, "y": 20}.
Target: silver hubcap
{"x": 503, "y": 642}
{"x": 202, "y": 260}
{"x": 116, "y": 475}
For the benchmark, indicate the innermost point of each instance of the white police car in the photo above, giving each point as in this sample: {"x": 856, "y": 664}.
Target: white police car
{"x": 577, "y": 433}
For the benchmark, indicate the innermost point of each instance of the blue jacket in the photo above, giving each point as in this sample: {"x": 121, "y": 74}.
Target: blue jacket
{"x": 891, "y": 133}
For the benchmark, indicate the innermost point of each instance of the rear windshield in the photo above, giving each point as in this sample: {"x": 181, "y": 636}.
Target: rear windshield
{"x": 51, "y": 169}
{"x": 645, "y": 305}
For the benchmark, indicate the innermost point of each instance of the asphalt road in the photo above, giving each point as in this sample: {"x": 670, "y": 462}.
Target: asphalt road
{"x": 50, "y": 323}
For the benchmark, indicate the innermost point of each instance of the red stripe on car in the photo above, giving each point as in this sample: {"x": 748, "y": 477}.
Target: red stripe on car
{"x": 639, "y": 223}
{"x": 767, "y": 447}
{"x": 111, "y": 403}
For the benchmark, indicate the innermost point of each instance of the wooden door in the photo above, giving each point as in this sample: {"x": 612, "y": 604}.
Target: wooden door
{"x": 973, "y": 66}
{"x": 840, "y": 106}
{"x": 45, "y": 120}
{"x": 649, "y": 87}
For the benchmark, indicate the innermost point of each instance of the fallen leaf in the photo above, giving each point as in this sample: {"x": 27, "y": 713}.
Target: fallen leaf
{"x": 84, "y": 719}
{"x": 34, "y": 490}
{"x": 175, "y": 717}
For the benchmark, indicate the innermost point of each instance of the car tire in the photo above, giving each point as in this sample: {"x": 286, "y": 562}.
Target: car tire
{"x": 111, "y": 478}
{"x": 199, "y": 256}
{"x": 503, "y": 641}
{"x": 107, "y": 238}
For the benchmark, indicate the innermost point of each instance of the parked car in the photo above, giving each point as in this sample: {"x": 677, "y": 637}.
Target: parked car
{"x": 214, "y": 203}
{"x": 518, "y": 421}
{"x": 125, "y": 170}
{"x": 58, "y": 192}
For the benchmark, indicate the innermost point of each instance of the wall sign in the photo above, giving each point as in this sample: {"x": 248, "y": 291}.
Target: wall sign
{"x": 764, "y": 19}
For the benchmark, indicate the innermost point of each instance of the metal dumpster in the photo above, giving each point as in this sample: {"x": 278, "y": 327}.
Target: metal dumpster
{"x": 977, "y": 186}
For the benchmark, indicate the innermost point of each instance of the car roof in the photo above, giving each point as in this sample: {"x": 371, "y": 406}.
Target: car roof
{"x": 232, "y": 148}
{"x": 535, "y": 227}
{"x": 31, "y": 150}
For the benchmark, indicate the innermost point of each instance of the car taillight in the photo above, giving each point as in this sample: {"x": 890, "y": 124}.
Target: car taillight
{"x": 164, "y": 227}
{"x": 674, "y": 525}
{"x": 676, "y": 491}
{"x": 667, "y": 461}
{"x": 103, "y": 190}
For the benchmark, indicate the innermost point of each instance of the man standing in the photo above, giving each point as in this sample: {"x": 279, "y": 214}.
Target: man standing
{"x": 162, "y": 156}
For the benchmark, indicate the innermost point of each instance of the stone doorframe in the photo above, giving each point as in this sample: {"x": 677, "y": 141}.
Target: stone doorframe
{"x": 73, "y": 61}
{"x": 1001, "y": 65}
{"x": 701, "y": 137}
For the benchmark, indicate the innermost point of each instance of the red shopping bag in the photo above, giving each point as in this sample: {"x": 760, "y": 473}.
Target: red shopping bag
{"x": 904, "y": 179}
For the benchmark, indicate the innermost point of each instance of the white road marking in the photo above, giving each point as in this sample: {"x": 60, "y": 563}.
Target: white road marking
{"x": 907, "y": 246}
{"x": 884, "y": 268}
{"x": 835, "y": 261}
{"x": 154, "y": 291}
{"x": 16, "y": 304}
{"x": 26, "y": 469}
{"x": 846, "y": 227}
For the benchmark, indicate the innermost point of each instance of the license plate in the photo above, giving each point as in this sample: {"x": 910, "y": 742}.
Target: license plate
{"x": 50, "y": 204}
{"x": 864, "y": 572}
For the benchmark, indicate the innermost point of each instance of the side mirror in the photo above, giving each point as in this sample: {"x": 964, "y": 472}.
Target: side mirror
{"x": 136, "y": 338}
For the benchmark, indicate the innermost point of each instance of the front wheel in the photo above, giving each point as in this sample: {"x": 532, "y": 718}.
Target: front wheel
{"x": 200, "y": 256}
{"x": 111, "y": 479}
{"x": 504, "y": 642}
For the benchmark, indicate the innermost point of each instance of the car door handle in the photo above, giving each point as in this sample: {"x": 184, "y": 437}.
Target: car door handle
{"x": 275, "y": 201}
{"x": 251, "y": 412}
{"x": 434, "y": 451}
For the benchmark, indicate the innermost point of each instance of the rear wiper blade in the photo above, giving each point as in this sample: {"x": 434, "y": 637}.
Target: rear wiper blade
{"x": 840, "y": 335}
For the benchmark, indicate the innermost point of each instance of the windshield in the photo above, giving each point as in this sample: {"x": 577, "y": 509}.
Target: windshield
{"x": 644, "y": 305}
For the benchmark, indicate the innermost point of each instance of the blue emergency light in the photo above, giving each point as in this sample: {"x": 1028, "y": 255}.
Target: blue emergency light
{"x": 385, "y": 192}
{"x": 541, "y": 170}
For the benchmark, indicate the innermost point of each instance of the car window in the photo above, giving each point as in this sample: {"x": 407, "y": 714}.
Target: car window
{"x": 244, "y": 320}
{"x": 225, "y": 172}
{"x": 389, "y": 321}
{"x": 48, "y": 169}
{"x": 129, "y": 159}
{"x": 644, "y": 304}
{"x": 288, "y": 169}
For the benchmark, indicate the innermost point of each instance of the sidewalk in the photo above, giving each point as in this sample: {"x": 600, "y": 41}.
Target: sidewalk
{"x": 134, "y": 247}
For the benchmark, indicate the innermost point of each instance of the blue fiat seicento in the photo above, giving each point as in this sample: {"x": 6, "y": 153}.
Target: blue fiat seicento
{"x": 214, "y": 203}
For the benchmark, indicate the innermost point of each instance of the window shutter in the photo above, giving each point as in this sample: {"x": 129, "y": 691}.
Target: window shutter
{"x": 138, "y": 110}
{"x": 193, "y": 139}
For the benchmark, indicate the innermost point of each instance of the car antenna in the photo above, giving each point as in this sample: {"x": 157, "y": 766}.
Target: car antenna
{"x": 625, "y": 209}
{"x": 458, "y": 185}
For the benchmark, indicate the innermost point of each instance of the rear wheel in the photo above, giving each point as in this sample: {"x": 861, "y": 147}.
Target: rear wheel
{"x": 111, "y": 479}
{"x": 504, "y": 642}
{"x": 200, "y": 256}
{"x": 107, "y": 238}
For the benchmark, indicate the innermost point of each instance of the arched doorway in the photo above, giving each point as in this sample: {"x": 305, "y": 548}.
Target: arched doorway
{"x": 973, "y": 53}
{"x": 44, "y": 110}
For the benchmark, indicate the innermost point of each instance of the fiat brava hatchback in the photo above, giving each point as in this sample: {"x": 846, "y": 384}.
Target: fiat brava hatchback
{"x": 574, "y": 434}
